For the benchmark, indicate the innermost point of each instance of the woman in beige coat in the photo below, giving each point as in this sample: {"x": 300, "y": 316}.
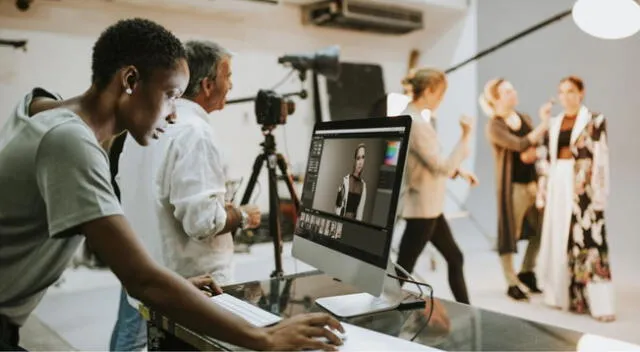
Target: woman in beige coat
{"x": 426, "y": 176}
{"x": 513, "y": 138}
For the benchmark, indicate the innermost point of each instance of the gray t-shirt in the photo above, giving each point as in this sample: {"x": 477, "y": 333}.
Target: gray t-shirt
{"x": 54, "y": 176}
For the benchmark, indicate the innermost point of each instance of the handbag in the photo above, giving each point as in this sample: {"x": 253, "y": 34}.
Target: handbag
{"x": 601, "y": 298}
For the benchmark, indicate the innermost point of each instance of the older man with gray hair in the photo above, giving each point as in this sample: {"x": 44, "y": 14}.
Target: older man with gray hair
{"x": 173, "y": 191}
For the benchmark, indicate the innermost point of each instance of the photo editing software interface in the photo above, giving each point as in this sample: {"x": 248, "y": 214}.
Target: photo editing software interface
{"x": 350, "y": 191}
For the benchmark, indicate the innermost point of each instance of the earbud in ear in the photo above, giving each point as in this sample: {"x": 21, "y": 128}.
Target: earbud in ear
{"x": 131, "y": 81}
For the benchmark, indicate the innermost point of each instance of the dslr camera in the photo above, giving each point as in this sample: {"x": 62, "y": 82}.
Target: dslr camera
{"x": 272, "y": 109}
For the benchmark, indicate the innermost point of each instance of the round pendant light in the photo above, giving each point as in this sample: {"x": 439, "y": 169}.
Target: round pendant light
{"x": 607, "y": 19}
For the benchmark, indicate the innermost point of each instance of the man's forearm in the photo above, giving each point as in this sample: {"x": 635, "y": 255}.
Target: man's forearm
{"x": 115, "y": 243}
{"x": 175, "y": 297}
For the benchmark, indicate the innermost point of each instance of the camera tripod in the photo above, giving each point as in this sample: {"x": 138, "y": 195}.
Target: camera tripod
{"x": 272, "y": 159}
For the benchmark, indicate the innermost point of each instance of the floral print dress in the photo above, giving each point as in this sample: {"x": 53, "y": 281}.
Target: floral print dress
{"x": 588, "y": 250}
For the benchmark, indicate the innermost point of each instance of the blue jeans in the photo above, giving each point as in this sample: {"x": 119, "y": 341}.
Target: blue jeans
{"x": 130, "y": 331}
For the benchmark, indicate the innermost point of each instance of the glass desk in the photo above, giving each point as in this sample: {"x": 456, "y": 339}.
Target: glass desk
{"x": 453, "y": 326}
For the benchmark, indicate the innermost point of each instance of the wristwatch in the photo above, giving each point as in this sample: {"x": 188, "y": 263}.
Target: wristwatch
{"x": 244, "y": 219}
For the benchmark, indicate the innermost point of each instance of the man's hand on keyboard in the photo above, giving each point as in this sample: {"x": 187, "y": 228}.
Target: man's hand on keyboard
{"x": 305, "y": 332}
{"x": 206, "y": 284}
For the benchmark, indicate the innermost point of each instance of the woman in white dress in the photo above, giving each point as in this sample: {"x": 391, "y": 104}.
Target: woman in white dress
{"x": 573, "y": 187}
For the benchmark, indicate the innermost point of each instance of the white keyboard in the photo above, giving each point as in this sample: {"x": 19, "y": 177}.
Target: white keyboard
{"x": 254, "y": 315}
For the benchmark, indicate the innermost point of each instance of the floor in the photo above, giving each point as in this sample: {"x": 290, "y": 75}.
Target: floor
{"x": 82, "y": 309}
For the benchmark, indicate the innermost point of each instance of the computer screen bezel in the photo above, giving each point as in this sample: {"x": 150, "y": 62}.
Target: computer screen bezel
{"x": 360, "y": 124}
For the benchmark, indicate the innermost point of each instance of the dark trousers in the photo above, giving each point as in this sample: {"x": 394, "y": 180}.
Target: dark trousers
{"x": 9, "y": 335}
{"x": 416, "y": 236}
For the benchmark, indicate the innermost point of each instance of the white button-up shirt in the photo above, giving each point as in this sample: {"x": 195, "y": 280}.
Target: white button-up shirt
{"x": 173, "y": 194}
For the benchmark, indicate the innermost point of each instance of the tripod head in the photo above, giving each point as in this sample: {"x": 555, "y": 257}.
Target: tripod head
{"x": 269, "y": 143}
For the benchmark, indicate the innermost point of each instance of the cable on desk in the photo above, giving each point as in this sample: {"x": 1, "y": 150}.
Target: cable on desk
{"x": 413, "y": 279}
{"x": 417, "y": 283}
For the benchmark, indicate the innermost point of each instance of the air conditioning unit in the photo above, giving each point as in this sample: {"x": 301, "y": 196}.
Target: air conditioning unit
{"x": 363, "y": 15}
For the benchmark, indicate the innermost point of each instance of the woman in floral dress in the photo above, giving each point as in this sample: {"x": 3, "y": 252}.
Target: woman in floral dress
{"x": 573, "y": 188}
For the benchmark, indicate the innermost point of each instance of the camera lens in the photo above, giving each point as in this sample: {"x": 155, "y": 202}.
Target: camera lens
{"x": 291, "y": 107}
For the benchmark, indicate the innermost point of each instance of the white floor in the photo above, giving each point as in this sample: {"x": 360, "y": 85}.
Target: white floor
{"x": 83, "y": 309}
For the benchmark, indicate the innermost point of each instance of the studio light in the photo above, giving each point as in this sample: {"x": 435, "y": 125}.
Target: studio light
{"x": 325, "y": 62}
{"x": 607, "y": 19}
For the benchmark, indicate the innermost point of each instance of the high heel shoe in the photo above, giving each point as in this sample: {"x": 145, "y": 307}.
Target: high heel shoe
{"x": 516, "y": 293}
{"x": 529, "y": 280}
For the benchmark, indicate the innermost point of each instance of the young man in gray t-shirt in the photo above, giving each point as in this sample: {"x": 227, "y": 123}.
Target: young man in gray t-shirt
{"x": 45, "y": 197}
{"x": 55, "y": 184}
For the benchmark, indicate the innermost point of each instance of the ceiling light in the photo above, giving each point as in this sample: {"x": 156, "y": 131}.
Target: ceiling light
{"x": 607, "y": 19}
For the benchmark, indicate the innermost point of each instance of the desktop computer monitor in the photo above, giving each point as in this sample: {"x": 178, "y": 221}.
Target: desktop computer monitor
{"x": 349, "y": 201}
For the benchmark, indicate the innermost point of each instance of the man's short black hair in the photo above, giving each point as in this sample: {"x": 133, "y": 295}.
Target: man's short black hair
{"x": 138, "y": 42}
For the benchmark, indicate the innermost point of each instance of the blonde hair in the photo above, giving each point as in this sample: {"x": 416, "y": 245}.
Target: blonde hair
{"x": 422, "y": 79}
{"x": 489, "y": 96}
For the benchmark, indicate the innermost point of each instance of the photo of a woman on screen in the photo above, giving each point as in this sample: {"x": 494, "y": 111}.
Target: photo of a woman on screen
{"x": 352, "y": 194}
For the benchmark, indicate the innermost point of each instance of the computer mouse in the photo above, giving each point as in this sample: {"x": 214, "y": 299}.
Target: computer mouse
{"x": 341, "y": 335}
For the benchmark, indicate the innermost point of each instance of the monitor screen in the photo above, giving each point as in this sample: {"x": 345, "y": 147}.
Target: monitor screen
{"x": 350, "y": 193}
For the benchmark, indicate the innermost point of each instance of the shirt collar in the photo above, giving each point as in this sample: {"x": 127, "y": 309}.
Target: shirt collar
{"x": 191, "y": 106}
{"x": 425, "y": 114}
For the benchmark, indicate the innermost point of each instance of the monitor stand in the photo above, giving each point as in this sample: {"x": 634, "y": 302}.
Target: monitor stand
{"x": 359, "y": 304}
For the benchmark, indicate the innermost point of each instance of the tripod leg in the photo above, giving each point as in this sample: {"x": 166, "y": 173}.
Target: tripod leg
{"x": 282, "y": 164}
{"x": 274, "y": 215}
{"x": 257, "y": 166}
{"x": 285, "y": 295}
